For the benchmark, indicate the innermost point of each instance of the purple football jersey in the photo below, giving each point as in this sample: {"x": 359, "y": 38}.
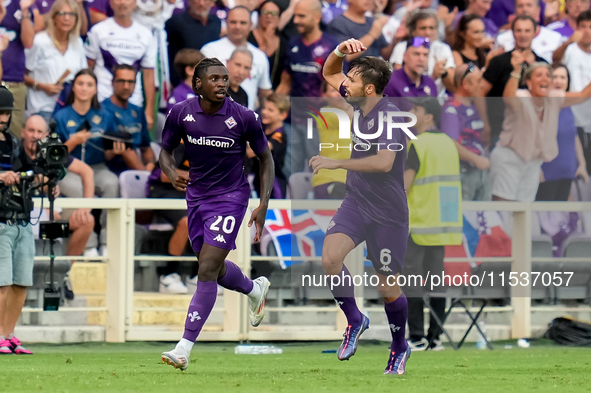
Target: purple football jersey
{"x": 400, "y": 85}
{"x": 44, "y": 6}
{"x": 305, "y": 62}
{"x": 562, "y": 27}
{"x": 380, "y": 196}
{"x": 463, "y": 124}
{"x": 13, "y": 58}
{"x": 215, "y": 146}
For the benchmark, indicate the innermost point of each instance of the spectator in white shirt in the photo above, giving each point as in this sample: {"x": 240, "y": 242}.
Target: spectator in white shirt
{"x": 441, "y": 64}
{"x": 239, "y": 26}
{"x": 545, "y": 41}
{"x": 56, "y": 56}
{"x": 120, "y": 40}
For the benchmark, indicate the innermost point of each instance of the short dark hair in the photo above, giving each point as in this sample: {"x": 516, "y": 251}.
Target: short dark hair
{"x": 374, "y": 71}
{"x": 186, "y": 58}
{"x": 202, "y": 67}
{"x": 556, "y": 66}
{"x": 524, "y": 17}
{"x": 95, "y": 104}
{"x": 125, "y": 67}
{"x": 416, "y": 16}
{"x": 584, "y": 16}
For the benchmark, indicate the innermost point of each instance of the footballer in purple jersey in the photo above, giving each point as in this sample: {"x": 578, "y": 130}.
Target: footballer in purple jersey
{"x": 215, "y": 131}
{"x": 375, "y": 207}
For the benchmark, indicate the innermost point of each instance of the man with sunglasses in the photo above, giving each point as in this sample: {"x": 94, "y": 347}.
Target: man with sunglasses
{"x": 409, "y": 80}
{"x": 375, "y": 207}
{"x": 129, "y": 119}
{"x": 461, "y": 121}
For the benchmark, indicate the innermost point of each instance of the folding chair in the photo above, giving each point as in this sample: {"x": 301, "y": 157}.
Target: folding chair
{"x": 133, "y": 183}
{"x": 455, "y": 301}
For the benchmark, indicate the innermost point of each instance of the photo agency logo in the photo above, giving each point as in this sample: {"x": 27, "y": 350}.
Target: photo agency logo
{"x": 361, "y": 141}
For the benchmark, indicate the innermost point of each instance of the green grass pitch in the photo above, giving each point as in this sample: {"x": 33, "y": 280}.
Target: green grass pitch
{"x": 136, "y": 367}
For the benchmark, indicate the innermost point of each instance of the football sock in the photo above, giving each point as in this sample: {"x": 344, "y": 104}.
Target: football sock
{"x": 201, "y": 305}
{"x": 397, "y": 313}
{"x": 344, "y": 294}
{"x": 236, "y": 280}
{"x": 185, "y": 345}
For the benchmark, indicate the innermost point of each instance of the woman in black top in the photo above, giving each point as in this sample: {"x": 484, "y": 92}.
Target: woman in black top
{"x": 266, "y": 38}
{"x": 469, "y": 38}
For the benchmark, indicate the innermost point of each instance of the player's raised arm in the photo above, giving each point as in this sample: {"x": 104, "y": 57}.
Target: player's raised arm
{"x": 333, "y": 68}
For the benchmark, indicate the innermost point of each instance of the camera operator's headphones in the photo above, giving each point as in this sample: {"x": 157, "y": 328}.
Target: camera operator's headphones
{"x": 6, "y": 102}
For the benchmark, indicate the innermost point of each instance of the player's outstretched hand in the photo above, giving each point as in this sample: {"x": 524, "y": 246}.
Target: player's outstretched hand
{"x": 318, "y": 162}
{"x": 351, "y": 46}
{"x": 181, "y": 180}
{"x": 258, "y": 217}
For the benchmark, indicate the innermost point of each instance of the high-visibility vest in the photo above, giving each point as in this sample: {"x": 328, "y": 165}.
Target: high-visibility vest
{"x": 435, "y": 198}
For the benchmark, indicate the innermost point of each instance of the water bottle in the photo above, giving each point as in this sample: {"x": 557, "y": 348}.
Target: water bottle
{"x": 481, "y": 343}
{"x": 257, "y": 350}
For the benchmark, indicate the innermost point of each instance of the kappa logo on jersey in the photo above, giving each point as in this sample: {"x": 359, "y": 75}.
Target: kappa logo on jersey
{"x": 385, "y": 269}
{"x": 340, "y": 303}
{"x": 230, "y": 122}
{"x": 194, "y": 316}
{"x": 394, "y": 328}
{"x": 219, "y": 238}
{"x": 189, "y": 117}
{"x": 214, "y": 141}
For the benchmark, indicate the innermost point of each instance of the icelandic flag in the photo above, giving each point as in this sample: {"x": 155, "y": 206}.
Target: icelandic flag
{"x": 296, "y": 234}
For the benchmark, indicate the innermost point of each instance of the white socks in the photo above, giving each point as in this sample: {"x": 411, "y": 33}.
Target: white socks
{"x": 185, "y": 345}
{"x": 256, "y": 291}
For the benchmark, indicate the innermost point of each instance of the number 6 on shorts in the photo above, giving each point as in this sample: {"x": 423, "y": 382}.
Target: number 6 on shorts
{"x": 227, "y": 225}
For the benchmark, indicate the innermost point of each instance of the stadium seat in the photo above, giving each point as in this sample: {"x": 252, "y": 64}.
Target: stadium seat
{"x": 133, "y": 183}
{"x": 579, "y": 287}
{"x": 300, "y": 185}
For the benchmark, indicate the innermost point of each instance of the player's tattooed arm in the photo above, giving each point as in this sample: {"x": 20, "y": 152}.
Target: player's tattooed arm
{"x": 333, "y": 67}
{"x": 267, "y": 175}
{"x": 179, "y": 179}
{"x": 381, "y": 162}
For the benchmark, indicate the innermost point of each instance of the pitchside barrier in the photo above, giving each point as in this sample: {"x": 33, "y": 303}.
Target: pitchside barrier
{"x": 229, "y": 318}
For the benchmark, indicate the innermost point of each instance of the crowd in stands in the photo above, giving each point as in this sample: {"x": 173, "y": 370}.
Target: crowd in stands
{"x": 512, "y": 78}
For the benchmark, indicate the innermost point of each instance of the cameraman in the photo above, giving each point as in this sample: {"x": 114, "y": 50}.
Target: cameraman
{"x": 17, "y": 246}
{"x": 81, "y": 220}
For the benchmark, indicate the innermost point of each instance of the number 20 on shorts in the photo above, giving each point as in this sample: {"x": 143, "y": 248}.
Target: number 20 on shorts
{"x": 227, "y": 225}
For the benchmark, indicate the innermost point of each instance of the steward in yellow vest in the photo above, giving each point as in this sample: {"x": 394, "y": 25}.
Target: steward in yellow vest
{"x": 434, "y": 191}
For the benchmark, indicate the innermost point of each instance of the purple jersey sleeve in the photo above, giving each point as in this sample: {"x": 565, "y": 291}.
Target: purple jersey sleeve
{"x": 171, "y": 134}
{"x": 450, "y": 122}
{"x": 254, "y": 132}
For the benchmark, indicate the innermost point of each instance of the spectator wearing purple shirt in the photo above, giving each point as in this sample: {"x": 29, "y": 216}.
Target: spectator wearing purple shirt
{"x": 568, "y": 25}
{"x": 570, "y": 162}
{"x": 480, "y": 8}
{"x": 306, "y": 53}
{"x": 99, "y": 10}
{"x": 409, "y": 81}
{"x": 461, "y": 121}
{"x": 501, "y": 12}
{"x": 333, "y": 8}
{"x": 184, "y": 64}
{"x": 16, "y": 23}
